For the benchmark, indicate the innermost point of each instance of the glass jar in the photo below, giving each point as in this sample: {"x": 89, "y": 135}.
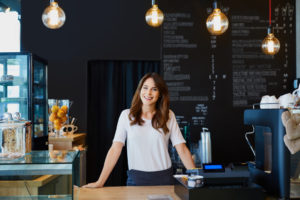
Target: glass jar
{"x": 15, "y": 137}
{"x": 58, "y": 114}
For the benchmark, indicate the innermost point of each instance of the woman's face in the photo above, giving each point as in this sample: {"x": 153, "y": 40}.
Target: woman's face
{"x": 149, "y": 93}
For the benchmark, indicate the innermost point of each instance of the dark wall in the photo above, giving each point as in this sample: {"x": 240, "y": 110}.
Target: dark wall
{"x": 213, "y": 79}
{"x": 94, "y": 30}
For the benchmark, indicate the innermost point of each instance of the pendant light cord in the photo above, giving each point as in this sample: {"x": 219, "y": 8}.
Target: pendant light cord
{"x": 215, "y": 4}
{"x": 270, "y": 10}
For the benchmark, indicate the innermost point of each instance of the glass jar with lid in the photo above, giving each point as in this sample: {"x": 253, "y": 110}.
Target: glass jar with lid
{"x": 15, "y": 136}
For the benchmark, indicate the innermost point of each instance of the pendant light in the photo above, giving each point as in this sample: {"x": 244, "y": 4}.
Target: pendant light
{"x": 217, "y": 22}
{"x": 53, "y": 16}
{"x": 270, "y": 44}
{"x": 154, "y": 16}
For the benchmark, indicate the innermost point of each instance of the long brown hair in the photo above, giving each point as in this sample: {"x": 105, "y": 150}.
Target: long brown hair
{"x": 161, "y": 115}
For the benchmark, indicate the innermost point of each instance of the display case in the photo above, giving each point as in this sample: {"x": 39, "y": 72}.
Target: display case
{"x": 23, "y": 88}
{"x": 40, "y": 175}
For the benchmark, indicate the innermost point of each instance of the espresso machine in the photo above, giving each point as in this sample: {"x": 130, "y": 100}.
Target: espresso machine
{"x": 271, "y": 168}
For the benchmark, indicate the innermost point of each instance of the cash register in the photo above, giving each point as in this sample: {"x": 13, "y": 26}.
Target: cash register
{"x": 220, "y": 182}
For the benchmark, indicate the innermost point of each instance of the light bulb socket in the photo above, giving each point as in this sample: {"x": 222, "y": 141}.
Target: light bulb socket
{"x": 51, "y": 1}
{"x": 153, "y": 2}
{"x": 270, "y": 29}
{"x": 215, "y": 4}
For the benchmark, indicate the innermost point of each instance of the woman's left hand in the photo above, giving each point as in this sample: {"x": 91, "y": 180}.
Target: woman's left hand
{"x": 185, "y": 156}
{"x": 93, "y": 185}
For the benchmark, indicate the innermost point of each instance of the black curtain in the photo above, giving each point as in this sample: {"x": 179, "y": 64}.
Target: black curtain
{"x": 111, "y": 85}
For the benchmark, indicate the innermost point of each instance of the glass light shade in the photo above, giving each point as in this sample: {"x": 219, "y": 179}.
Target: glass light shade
{"x": 53, "y": 16}
{"x": 217, "y": 22}
{"x": 154, "y": 16}
{"x": 270, "y": 44}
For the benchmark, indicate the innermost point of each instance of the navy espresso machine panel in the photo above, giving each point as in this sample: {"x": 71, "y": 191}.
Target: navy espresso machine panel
{"x": 271, "y": 169}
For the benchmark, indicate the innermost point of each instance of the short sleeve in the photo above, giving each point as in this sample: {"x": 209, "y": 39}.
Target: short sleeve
{"x": 121, "y": 130}
{"x": 176, "y": 135}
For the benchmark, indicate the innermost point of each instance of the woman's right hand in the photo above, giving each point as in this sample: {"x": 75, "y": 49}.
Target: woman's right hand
{"x": 109, "y": 163}
{"x": 93, "y": 185}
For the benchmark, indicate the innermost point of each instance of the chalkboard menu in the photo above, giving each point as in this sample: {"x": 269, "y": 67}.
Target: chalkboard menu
{"x": 213, "y": 79}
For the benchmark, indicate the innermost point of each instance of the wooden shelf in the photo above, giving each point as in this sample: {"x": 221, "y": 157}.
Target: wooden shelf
{"x": 67, "y": 142}
{"x": 46, "y": 184}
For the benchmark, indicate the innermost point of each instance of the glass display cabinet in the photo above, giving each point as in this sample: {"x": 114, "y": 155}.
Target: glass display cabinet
{"x": 23, "y": 89}
{"x": 40, "y": 175}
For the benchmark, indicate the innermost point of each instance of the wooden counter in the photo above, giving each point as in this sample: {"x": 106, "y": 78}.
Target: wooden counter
{"x": 123, "y": 193}
{"x": 67, "y": 142}
{"x": 142, "y": 192}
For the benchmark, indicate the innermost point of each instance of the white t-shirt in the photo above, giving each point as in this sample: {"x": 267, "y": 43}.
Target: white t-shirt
{"x": 147, "y": 148}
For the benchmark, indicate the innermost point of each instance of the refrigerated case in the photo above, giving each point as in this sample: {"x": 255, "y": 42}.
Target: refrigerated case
{"x": 23, "y": 88}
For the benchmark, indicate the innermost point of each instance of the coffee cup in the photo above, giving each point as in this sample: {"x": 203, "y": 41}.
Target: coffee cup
{"x": 195, "y": 181}
{"x": 68, "y": 129}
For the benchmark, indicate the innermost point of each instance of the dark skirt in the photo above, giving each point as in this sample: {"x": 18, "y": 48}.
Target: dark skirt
{"x": 140, "y": 178}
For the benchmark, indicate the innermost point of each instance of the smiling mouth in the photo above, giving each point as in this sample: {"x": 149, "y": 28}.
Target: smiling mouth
{"x": 148, "y": 98}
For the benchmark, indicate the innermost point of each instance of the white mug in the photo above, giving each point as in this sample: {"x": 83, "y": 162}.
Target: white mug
{"x": 68, "y": 129}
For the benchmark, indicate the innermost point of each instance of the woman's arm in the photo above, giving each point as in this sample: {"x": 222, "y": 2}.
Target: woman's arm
{"x": 185, "y": 156}
{"x": 110, "y": 161}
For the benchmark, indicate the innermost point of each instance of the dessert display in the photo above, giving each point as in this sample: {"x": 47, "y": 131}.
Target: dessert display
{"x": 56, "y": 155}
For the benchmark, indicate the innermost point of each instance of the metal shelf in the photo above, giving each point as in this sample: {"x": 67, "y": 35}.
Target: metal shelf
{"x": 12, "y": 100}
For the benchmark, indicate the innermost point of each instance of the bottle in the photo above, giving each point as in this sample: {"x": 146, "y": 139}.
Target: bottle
{"x": 187, "y": 136}
{"x": 205, "y": 146}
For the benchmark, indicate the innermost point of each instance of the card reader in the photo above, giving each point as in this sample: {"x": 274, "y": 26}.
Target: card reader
{"x": 217, "y": 174}
{"x": 213, "y": 168}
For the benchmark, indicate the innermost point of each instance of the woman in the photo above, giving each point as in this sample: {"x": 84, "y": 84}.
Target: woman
{"x": 147, "y": 126}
